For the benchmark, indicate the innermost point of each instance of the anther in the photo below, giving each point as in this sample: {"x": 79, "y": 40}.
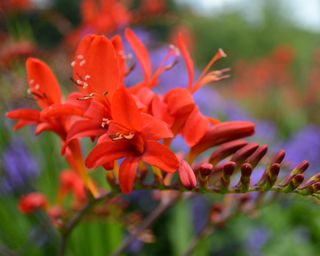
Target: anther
{"x": 105, "y": 121}
{"x": 128, "y": 136}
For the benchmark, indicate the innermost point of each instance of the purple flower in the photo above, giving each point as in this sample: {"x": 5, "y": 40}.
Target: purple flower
{"x": 304, "y": 145}
{"x": 20, "y": 168}
{"x": 256, "y": 240}
{"x": 200, "y": 212}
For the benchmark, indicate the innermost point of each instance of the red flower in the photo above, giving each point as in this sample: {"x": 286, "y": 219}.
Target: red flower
{"x": 54, "y": 116}
{"x": 32, "y": 202}
{"x": 100, "y": 17}
{"x": 45, "y": 88}
{"x": 132, "y": 135}
{"x": 71, "y": 183}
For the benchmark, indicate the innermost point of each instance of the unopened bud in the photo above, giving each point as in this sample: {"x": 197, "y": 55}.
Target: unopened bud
{"x": 187, "y": 176}
{"x": 244, "y": 182}
{"x": 244, "y": 152}
{"x": 228, "y": 169}
{"x": 32, "y": 202}
{"x": 255, "y": 158}
{"x": 293, "y": 183}
{"x": 278, "y": 157}
{"x": 225, "y": 150}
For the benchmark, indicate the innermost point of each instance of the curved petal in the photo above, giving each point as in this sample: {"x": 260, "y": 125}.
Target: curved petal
{"x": 124, "y": 110}
{"x": 141, "y": 53}
{"x": 160, "y": 156}
{"x": 60, "y": 110}
{"x": 85, "y": 128}
{"x": 187, "y": 59}
{"x": 179, "y": 101}
{"x": 43, "y": 83}
{"x": 96, "y": 68}
{"x": 107, "y": 152}
{"x": 195, "y": 127}
{"x": 155, "y": 129}
{"x": 127, "y": 174}
{"x": 43, "y": 127}
{"x": 25, "y": 114}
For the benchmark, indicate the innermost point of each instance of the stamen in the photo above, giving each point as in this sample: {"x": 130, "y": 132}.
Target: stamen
{"x": 37, "y": 87}
{"x": 82, "y": 63}
{"x": 175, "y": 49}
{"x": 88, "y": 97}
{"x": 105, "y": 121}
{"x": 80, "y": 57}
{"x": 128, "y": 136}
{"x": 73, "y": 63}
{"x": 115, "y": 137}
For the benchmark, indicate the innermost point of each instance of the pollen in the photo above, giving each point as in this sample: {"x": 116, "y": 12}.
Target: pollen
{"x": 73, "y": 63}
{"x": 82, "y": 63}
{"x": 80, "y": 57}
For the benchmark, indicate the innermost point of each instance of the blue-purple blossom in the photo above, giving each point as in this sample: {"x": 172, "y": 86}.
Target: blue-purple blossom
{"x": 256, "y": 240}
{"x": 304, "y": 145}
{"x": 19, "y": 168}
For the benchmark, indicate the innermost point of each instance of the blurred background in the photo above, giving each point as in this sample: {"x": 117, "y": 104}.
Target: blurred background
{"x": 274, "y": 55}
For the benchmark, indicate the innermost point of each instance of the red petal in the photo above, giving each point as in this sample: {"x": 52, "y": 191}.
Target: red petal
{"x": 118, "y": 46}
{"x": 195, "y": 127}
{"x": 22, "y": 123}
{"x": 155, "y": 129}
{"x": 43, "y": 82}
{"x": 107, "y": 152}
{"x": 159, "y": 109}
{"x": 160, "y": 156}
{"x": 88, "y": 10}
{"x": 60, "y": 110}
{"x": 85, "y": 128}
{"x": 179, "y": 101}
{"x": 127, "y": 174}
{"x": 96, "y": 64}
{"x": 187, "y": 59}
{"x": 97, "y": 110}
{"x": 25, "y": 114}
{"x": 43, "y": 127}
{"x": 141, "y": 52}
{"x": 124, "y": 110}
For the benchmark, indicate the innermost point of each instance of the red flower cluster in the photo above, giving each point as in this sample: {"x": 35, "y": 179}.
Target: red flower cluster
{"x": 133, "y": 126}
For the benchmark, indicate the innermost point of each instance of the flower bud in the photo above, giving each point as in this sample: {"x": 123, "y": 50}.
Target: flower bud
{"x": 221, "y": 133}
{"x": 225, "y": 150}
{"x": 255, "y": 158}
{"x": 187, "y": 176}
{"x": 32, "y": 202}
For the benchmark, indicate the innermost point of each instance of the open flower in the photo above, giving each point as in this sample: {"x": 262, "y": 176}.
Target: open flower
{"x": 134, "y": 136}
